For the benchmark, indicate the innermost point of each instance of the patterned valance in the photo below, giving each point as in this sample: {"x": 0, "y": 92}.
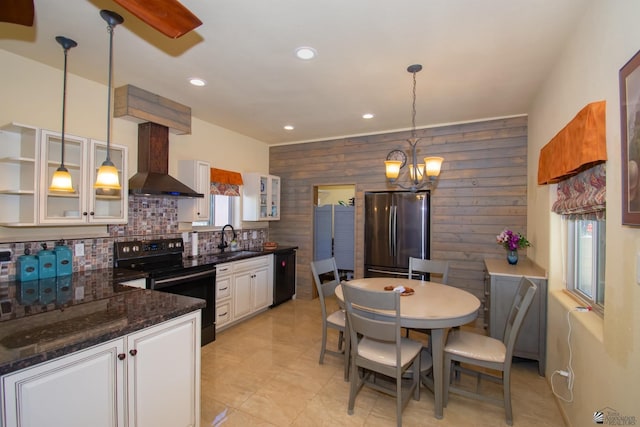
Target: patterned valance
{"x": 578, "y": 146}
{"x": 225, "y": 183}
{"x": 583, "y": 196}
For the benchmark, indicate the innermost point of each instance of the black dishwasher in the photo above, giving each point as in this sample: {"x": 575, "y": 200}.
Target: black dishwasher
{"x": 284, "y": 275}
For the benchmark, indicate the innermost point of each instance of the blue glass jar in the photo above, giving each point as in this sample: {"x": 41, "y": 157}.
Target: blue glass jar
{"x": 512, "y": 257}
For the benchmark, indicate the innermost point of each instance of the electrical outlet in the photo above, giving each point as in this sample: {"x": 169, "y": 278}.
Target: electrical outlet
{"x": 79, "y": 249}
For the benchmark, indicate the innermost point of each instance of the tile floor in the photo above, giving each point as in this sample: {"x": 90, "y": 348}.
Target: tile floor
{"x": 265, "y": 372}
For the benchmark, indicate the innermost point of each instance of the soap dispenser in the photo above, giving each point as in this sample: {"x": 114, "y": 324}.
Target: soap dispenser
{"x": 64, "y": 259}
{"x": 27, "y": 267}
{"x": 46, "y": 262}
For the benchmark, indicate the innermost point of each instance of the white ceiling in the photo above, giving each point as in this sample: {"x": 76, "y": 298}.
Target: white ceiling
{"x": 481, "y": 59}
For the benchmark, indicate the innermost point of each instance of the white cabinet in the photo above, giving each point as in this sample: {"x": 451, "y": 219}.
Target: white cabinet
{"x": 19, "y": 148}
{"x": 260, "y": 197}
{"x": 243, "y": 288}
{"x": 252, "y": 285}
{"x": 86, "y": 205}
{"x": 148, "y": 378}
{"x": 197, "y": 175}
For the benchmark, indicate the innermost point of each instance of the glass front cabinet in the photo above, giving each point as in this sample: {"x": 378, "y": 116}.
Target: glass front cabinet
{"x": 261, "y": 197}
{"x": 85, "y": 205}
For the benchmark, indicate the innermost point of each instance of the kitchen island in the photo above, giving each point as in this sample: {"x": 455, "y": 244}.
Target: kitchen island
{"x": 87, "y": 338}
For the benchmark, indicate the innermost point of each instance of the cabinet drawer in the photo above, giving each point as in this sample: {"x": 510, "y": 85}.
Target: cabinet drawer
{"x": 251, "y": 264}
{"x": 223, "y": 287}
{"x": 223, "y": 313}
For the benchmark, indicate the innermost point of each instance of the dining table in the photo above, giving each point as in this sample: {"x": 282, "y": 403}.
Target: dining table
{"x": 432, "y": 306}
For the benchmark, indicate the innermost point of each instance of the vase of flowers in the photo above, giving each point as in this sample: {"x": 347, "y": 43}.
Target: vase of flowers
{"x": 512, "y": 242}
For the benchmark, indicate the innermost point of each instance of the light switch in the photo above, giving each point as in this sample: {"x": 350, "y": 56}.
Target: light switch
{"x": 79, "y": 249}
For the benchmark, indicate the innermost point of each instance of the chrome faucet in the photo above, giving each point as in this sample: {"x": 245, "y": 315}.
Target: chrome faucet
{"x": 224, "y": 244}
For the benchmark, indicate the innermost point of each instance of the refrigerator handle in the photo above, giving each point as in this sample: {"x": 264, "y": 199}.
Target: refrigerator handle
{"x": 394, "y": 232}
{"x": 390, "y": 240}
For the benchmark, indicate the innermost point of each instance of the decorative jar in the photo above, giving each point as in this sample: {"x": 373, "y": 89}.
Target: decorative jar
{"x": 512, "y": 257}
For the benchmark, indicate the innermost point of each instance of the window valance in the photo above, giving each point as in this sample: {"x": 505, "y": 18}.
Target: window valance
{"x": 224, "y": 182}
{"x": 578, "y": 146}
{"x": 583, "y": 196}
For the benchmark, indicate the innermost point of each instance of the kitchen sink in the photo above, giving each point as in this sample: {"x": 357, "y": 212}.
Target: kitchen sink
{"x": 225, "y": 256}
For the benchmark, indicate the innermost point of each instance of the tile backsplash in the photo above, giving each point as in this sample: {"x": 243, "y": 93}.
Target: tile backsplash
{"x": 149, "y": 218}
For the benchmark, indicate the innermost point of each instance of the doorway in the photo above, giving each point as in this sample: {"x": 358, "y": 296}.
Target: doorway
{"x": 334, "y": 226}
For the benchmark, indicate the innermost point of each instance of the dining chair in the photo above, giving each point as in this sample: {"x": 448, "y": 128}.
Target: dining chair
{"x": 423, "y": 267}
{"x": 377, "y": 346}
{"x": 486, "y": 352}
{"x": 429, "y": 266}
{"x": 325, "y": 288}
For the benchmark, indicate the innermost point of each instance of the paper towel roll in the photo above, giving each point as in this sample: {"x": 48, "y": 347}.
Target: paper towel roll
{"x": 194, "y": 244}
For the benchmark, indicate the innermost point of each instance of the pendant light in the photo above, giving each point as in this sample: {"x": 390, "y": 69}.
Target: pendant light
{"x": 417, "y": 171}
{"x": 107, "y": 178}
{"x": 61, "y": 180}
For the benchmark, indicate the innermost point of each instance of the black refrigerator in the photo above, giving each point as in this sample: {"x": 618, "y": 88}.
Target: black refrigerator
{"x": 396, "y": 228}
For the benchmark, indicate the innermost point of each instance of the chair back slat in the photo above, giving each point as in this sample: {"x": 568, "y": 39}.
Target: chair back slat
{"x": 519, "y": 308}
{"x": 429, "y": 266}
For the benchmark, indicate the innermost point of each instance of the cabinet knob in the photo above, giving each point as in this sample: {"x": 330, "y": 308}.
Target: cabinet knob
{"x": 133, "y": 352}
{"x": 91, "y": 213}
{"x": 121, "y": 356}
{"x": 84, "y": 213}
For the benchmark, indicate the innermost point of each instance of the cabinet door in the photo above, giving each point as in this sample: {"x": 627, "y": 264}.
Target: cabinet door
{"x": 107, "y": 206}
{"x": 163, "y": 382}
{"x": 60, "y": 207}
{"x": 262, "y": 288}
{"x": 197, "y": 175}
{"x": 242, "y": 298}
{"x": 274, "y": 198}
{"x": 80, "y": 390}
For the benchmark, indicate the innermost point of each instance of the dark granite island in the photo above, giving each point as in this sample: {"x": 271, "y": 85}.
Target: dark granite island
{"x": 90, "y": 326}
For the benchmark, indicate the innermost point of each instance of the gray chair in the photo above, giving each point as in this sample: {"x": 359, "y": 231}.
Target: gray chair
{"x": 377, "y": 346}
{"x": 335, "y": 320}
{"x": 419, "y": 269}
{"x": 486, "y": 352}
{"x": 430, "y": 267}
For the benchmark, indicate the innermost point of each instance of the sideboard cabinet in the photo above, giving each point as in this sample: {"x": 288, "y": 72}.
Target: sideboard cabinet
{"x": 501, "y": 284}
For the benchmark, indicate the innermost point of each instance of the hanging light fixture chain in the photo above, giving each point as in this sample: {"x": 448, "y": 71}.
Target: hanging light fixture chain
{"x": 110, "y": 30}
{"x": 413, "y": 108}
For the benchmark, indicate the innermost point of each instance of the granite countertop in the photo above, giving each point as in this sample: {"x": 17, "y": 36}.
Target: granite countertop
{"x": 48, "y": 318}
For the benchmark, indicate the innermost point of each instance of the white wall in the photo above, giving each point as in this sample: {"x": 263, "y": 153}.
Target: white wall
{"x": 606, "y": 351}
{"x": 31, "y": 94}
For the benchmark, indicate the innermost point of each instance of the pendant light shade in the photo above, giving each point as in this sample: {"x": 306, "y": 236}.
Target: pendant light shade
{"x": 61, "y": 180}
{"x": 107, "y": 178}
{"x": 417, "y": 171}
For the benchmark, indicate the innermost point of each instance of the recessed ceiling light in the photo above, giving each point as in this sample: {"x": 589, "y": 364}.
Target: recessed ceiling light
{"x": 306, "y": 53}
{"x": 197, "y": 82}
{"x": 367, "y": 116}
{"x": 288, "y": 127}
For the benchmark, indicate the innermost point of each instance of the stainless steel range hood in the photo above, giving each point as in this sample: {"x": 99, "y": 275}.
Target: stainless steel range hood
{"x": 153, "y": 178}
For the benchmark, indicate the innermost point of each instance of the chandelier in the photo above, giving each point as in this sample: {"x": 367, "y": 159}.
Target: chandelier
{"x": 420, "y": 174}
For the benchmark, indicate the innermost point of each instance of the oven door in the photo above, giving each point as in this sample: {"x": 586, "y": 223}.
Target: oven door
{"x": 200, "y": 284}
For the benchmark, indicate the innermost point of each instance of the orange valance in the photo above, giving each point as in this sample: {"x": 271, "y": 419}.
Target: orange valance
{"x": 222, "y": 176}
{"x": 578, "y": 146}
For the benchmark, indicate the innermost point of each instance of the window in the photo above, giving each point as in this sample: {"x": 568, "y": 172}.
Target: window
{"x": 586, "y": 260}
{"x": 224, "y": 211}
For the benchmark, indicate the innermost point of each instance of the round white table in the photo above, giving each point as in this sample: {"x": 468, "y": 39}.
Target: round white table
{"x": 433, "y": 306}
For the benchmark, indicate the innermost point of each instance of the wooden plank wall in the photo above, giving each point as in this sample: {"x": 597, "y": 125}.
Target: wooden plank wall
{"x": 482, "y": 189}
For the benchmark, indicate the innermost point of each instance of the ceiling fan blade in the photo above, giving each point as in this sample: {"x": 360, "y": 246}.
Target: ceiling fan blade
{"x": 17, "y": 12}
{"x": 167, "y": 16}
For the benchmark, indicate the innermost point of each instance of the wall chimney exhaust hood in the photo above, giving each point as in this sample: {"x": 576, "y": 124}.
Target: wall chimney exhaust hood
{"x": 153, "y": 177}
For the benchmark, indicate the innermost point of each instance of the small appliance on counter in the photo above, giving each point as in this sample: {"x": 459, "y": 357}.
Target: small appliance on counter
{"x": 27, "y": 267}
{"x": 46, "y": 262}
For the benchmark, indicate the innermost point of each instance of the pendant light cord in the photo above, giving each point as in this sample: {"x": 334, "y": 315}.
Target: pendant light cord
{"x": 110, "y": 30}
{"x": 64, "y": 103}
{"x": 413, "y": 108}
